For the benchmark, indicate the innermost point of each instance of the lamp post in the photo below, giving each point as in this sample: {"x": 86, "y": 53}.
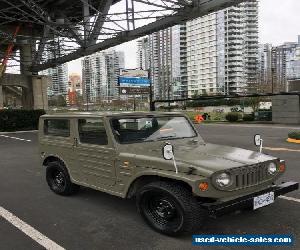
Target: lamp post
{"x": 272, "y": 79}
{"x": 152, "y": 104}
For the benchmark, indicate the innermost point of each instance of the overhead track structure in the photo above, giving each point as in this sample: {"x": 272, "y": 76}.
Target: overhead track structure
{"x": 69, "y": 29}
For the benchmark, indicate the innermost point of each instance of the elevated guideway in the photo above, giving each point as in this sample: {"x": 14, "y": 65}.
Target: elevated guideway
{"x": 53, "y": 32}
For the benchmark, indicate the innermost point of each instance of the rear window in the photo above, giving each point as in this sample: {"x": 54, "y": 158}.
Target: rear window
{"x": 57, "y": 127}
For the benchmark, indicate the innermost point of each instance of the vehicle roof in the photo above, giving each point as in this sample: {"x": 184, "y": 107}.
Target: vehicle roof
{"x": 108, "y": 114}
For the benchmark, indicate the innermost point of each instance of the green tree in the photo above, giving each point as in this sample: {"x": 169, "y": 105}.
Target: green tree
{"x": 254, "y": 103}
{"x": 61, "y": 101}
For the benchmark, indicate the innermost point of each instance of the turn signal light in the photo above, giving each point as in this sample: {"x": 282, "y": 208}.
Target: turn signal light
{"x": 203, "y": 186}
{"x": 281, "y": 168}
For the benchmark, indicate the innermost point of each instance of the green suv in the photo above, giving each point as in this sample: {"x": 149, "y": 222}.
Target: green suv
{"x": 160, "y": 159}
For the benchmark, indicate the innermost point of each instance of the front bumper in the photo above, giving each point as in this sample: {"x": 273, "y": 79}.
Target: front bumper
{"x": 219, "y": 208}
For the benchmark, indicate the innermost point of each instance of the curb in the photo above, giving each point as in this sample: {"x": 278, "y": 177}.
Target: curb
{"x": 293, "y": 140}
{"x": 18, "y": 132}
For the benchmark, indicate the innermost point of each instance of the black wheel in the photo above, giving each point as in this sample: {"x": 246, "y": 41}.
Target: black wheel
{"x": 58, "y": 179}
{"x": 169, "y": 208}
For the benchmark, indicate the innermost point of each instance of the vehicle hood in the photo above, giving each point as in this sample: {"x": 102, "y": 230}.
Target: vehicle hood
{"x": 207, "y": 158}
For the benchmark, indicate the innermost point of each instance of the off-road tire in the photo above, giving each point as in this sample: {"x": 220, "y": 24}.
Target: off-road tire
{"x": 58, "y": 179}
{"x": 188, "y": 215}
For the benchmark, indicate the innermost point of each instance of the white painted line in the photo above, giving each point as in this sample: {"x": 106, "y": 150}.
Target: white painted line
{"x": 282, "y": 149}
{"x": 29, "y": 230}
{"x": 15, "y": 138}
{"x": 251, "y": 126}
{"x": 18, "y": 132}
{"x": 289, "y": 198}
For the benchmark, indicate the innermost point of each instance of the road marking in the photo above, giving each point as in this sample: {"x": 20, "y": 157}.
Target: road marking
{"x": 289, "y": 198}
{"x": 282, "y": 149}
{"x": 18, "y": 132}
{"x": 250, "y": 125}
{"x": 29, "y": 230}
{"x": 15, "y": 138}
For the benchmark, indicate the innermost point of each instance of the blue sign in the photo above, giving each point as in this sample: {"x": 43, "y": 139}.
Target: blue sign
{"x": 134, "y": 81}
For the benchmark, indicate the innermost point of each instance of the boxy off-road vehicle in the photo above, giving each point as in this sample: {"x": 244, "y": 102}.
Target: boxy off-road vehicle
{"x": 162, "y": 161}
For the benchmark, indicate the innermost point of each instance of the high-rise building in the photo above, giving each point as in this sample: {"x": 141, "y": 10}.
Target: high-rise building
{"x": 266, "y": 64}
{"x": 100, "y": 73}
{"x": 293, "y": 69}
{"x": 58, "y": 74}
{"x": 75, "y": 83}
{"x": 179, "y": 62}
{"x": 59, "y": 77}
{"x": 167, "y": 53}
{"x": 143, "y": 54}
{"x": 160, "y": 44}
{"x": 283, "y": 54}
{"x": 222, "y": 50}
{"x": 279, "y": 65}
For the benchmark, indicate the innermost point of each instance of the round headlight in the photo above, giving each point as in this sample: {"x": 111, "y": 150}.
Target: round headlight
{"x": 223, "y": 180}
{"x": 272, "y": 168}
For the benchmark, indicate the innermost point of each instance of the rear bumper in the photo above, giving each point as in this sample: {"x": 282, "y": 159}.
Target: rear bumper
{"x": 220, "y": 208}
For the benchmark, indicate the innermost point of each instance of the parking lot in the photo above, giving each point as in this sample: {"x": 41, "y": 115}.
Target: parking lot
{"x": 94, "y": 220}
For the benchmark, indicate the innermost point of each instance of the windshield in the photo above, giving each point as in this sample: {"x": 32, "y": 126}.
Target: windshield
{"x": 142, "y": 129}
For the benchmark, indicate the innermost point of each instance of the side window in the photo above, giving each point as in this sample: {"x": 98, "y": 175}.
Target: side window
{"x": 92, "y": 131}
{"x": 57, "y": 127}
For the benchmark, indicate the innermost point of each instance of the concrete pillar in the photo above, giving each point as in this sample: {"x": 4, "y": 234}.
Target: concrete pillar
{"x": 35, "y": 95}
{"x": 25, "y": 59}
{"x": 39, "y": 86}
{"x": 25, "y": 64}
{"x": 1, "y": 98}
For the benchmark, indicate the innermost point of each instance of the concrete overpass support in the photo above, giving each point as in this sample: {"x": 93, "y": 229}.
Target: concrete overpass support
{"x": 35, "y": 93}
{"x": 1, "y": 97}
{"x": 25, "y": 64}
{"x": 39, "y": 87}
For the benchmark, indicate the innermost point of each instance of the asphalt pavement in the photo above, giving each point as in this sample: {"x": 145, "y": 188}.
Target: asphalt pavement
{"x": 95, "y": 220}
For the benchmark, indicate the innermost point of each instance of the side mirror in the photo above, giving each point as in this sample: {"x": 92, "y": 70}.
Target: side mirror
{"x": 168, "y": 152}
{"x": 257, "y": 140}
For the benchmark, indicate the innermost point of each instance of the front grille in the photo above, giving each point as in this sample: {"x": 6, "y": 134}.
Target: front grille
{"x": 249, "y": 175}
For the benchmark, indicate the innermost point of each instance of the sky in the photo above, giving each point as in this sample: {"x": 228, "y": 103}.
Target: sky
{"x": 279, "y": 22}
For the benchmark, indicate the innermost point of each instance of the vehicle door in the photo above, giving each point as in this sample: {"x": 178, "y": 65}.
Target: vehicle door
{"x": 95, "y": 153}
{"x": 56, "y": 139}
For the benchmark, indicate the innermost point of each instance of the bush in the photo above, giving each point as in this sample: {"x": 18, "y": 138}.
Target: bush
{"x": 232, "y": 117}
{"x": 248, "y": 118}
{"x": 294, "y": 135}
{"x": 14, "y": 120}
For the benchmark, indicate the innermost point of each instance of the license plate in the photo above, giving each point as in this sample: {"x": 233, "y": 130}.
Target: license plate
{"x": 263, "y": 200}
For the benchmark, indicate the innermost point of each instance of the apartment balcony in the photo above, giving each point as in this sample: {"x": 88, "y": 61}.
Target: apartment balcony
{"x": 235, "y": 60}
{"x": 234, "y": 47}
{"x": 251, "y": 18}
{"x": 233, "y": 18}
{"x": 234, "y": 37}
{"x": 252, "y": 57}
{"x": 234, "y": 31}
{"x": 234, "y": 64}
{"x": 252, "y": 35}
{"x": 234, "y": 41}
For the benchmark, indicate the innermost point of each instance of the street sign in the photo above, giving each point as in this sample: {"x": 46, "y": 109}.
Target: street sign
{"x": 134, "y": 73}
{"x": 134, "y": 82}
{"x": 134, "y": 91}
